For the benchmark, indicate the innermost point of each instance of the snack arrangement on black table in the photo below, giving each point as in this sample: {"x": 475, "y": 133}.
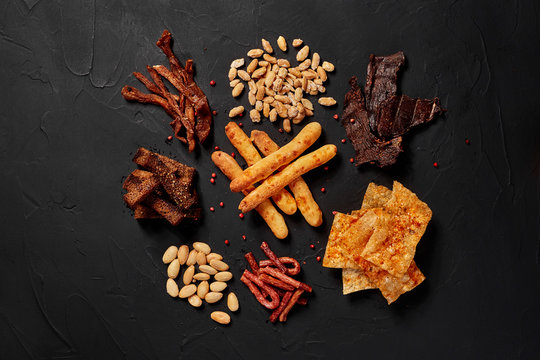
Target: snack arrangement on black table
{"x": 386, "y": 148}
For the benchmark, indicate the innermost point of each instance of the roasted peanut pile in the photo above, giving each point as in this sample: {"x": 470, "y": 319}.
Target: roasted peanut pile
{"x": 204, "y": 278}
{"x": 275, "y": 87}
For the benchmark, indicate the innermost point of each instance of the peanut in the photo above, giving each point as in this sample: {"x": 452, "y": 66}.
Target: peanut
{"x": 237, "y": 63}
{"x": 283, "y": 63}
{"x": 170, "y": 254}
{"x": 223, "y": 276}
{"x": 234, "y": 83}
{"x": 194, "y": 301}
{"x": 259, "y": 72}
{"x": 187, "y": 291}
{"x": 255, "y": 53}
{"x": 266, "y": 46}
{"x": 173, "y": 269}
{"x": 183, "y": 253}
{"x": 282, "y": 44}
{"x": 252, "y": 66}
{"x": 302, "y": 54}
{"x": 327, "y": 101}
{"x": 266, "y": 110}
{"x": 213, "y": 297}
{"x": 273, "y": 115}
{"x": 255, "y": 117}
{"x": 201, "y": 258}
{"x": 232, "y": 73}
{"x": 188, "y": 275}
{"x": 236, "y": 111}
{"x": 304, "y": 65}
{"x": 270, "y": 59}
{"x": 172, "y": 288}
{"x": 221, "y": 317}
{"x": 232, "y": 302}
{"x": 218, "y": 286}
{"x": 252, "y": 99}
{"x": 242, "y": 74}
{"x": 238, "y": 90}
{"x": 203, "y": 289}
{"x": 259, "y": 105}
{"x": 219, "y": 265}
{"x": 315, "y": 61}
{"x": 201, "y": 276}
{"x": 327, "y": 66}
{"x": 192, "y": 257}
{"x": 208, "y": 269}
{"x": 202, "y": 247}
{"x": 287, "y": 125}
{"x": 307, "y": 104}
{"x": 297, "y": 42}
{"x": 212, "y": 256}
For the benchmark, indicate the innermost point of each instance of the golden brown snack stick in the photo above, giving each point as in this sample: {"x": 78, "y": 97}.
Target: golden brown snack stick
{"x": 268, "y": 212}
{"x": 304, "y": 198}
{"x": 238, "y": 138}
{"x": 262, "y": 169}
{"x": 276, "y": 182}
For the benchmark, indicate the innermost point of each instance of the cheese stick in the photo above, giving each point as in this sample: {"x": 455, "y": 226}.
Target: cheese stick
{"x": 304, "y": 198}
{"x": 277, "y": 182}
{"x": 268, "y": 212}
{"x": 262, "y": 169}
{"x": 238, "y": 138}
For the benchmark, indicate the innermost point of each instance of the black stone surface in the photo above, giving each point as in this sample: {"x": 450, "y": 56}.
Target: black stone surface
{"x": 81, "y": 279}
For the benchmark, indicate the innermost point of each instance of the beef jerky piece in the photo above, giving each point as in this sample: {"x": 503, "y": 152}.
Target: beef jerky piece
{"x": 398, "y": 114}
{"x": 204, "y": 115}
{"x": 133, "y": 94}
{"x": 195, "y": 94}
{"x": 139, "y": 184}
{"x": 368, "y": 147}
{"x": 141, "y": 211}
{"x": 178, "y": 183}
{"x": 381, "y": 82}
{"x": 179, "y": 117}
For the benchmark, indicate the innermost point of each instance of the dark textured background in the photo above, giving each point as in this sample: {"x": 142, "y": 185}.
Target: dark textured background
{"x": 80, "y": 279}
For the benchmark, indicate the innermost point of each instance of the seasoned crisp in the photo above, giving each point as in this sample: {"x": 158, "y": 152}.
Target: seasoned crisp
{"x": 393, "y": 245}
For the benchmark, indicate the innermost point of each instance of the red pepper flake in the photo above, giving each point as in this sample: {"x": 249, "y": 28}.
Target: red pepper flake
{"x": 241, "y": 114}
{"x": 212, "y": 208}
{"x": 195, "y": 113}
{"x": 435, "y": 164}
{"x": 351, "y": 160}
{"x": 221, "y": 204}
{"x": 343, "y": 141}
{"x": 241, "y": 215}
{"x": 214, "y": 175}
{"x": 233, "y": 155}
{"x": 244, "y": 237}
{"x": 227, "y": 242}
{"x": 323, "y": 189}
{"x": 212, "y": 180}
{"x": 352, "y": 121}
{"x": 212, "y": 83}
{"x": 312, "y": 246}
{"x": 216, "y": 148}
{"x": 467, "y": 141}
{"x": 240, "y": 124}
{"x": 214, "y": 112}
{"x": 169, "y": 137}
{"x": 303, "y": 262}
{"x": 318, "y": 258}
{"x": 280, "y": 130}
{"x": 326, "y": 168}
{"x": 336, "y": 116}
{"x": 334, "y": 212}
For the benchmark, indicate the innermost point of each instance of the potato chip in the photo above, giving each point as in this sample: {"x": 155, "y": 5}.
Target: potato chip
{"x": 376, "y": 196}
{"x": 355, "y": 280}
{"x": 392, "y": 246}
{"x": 347, "y": 239}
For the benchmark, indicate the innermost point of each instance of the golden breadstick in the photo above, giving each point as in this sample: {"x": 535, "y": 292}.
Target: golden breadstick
{"x": 268, "y": 212}
{"x": 276, "y": 182}
{"x": 304, "y": 198}
{"x": 262, "y": 169}
{"x": 238, "y": 138}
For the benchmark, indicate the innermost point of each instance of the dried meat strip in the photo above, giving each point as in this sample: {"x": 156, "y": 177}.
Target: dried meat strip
{"x": 294, "y": 298}
{"x": 398, "y": 114}
{"x": 284, "y": 301}
{"x": 375, "y": 124}
{"x": 368, "y": 147}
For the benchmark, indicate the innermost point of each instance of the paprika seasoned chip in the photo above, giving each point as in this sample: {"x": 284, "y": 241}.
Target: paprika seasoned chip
{"x": 392, "y": 246}
{"x": 373, "y": 223}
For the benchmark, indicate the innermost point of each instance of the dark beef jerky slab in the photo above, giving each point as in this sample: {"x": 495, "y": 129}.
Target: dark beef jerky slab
{"x": 399, "y": 114}
{"x": 368, "y": 147}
